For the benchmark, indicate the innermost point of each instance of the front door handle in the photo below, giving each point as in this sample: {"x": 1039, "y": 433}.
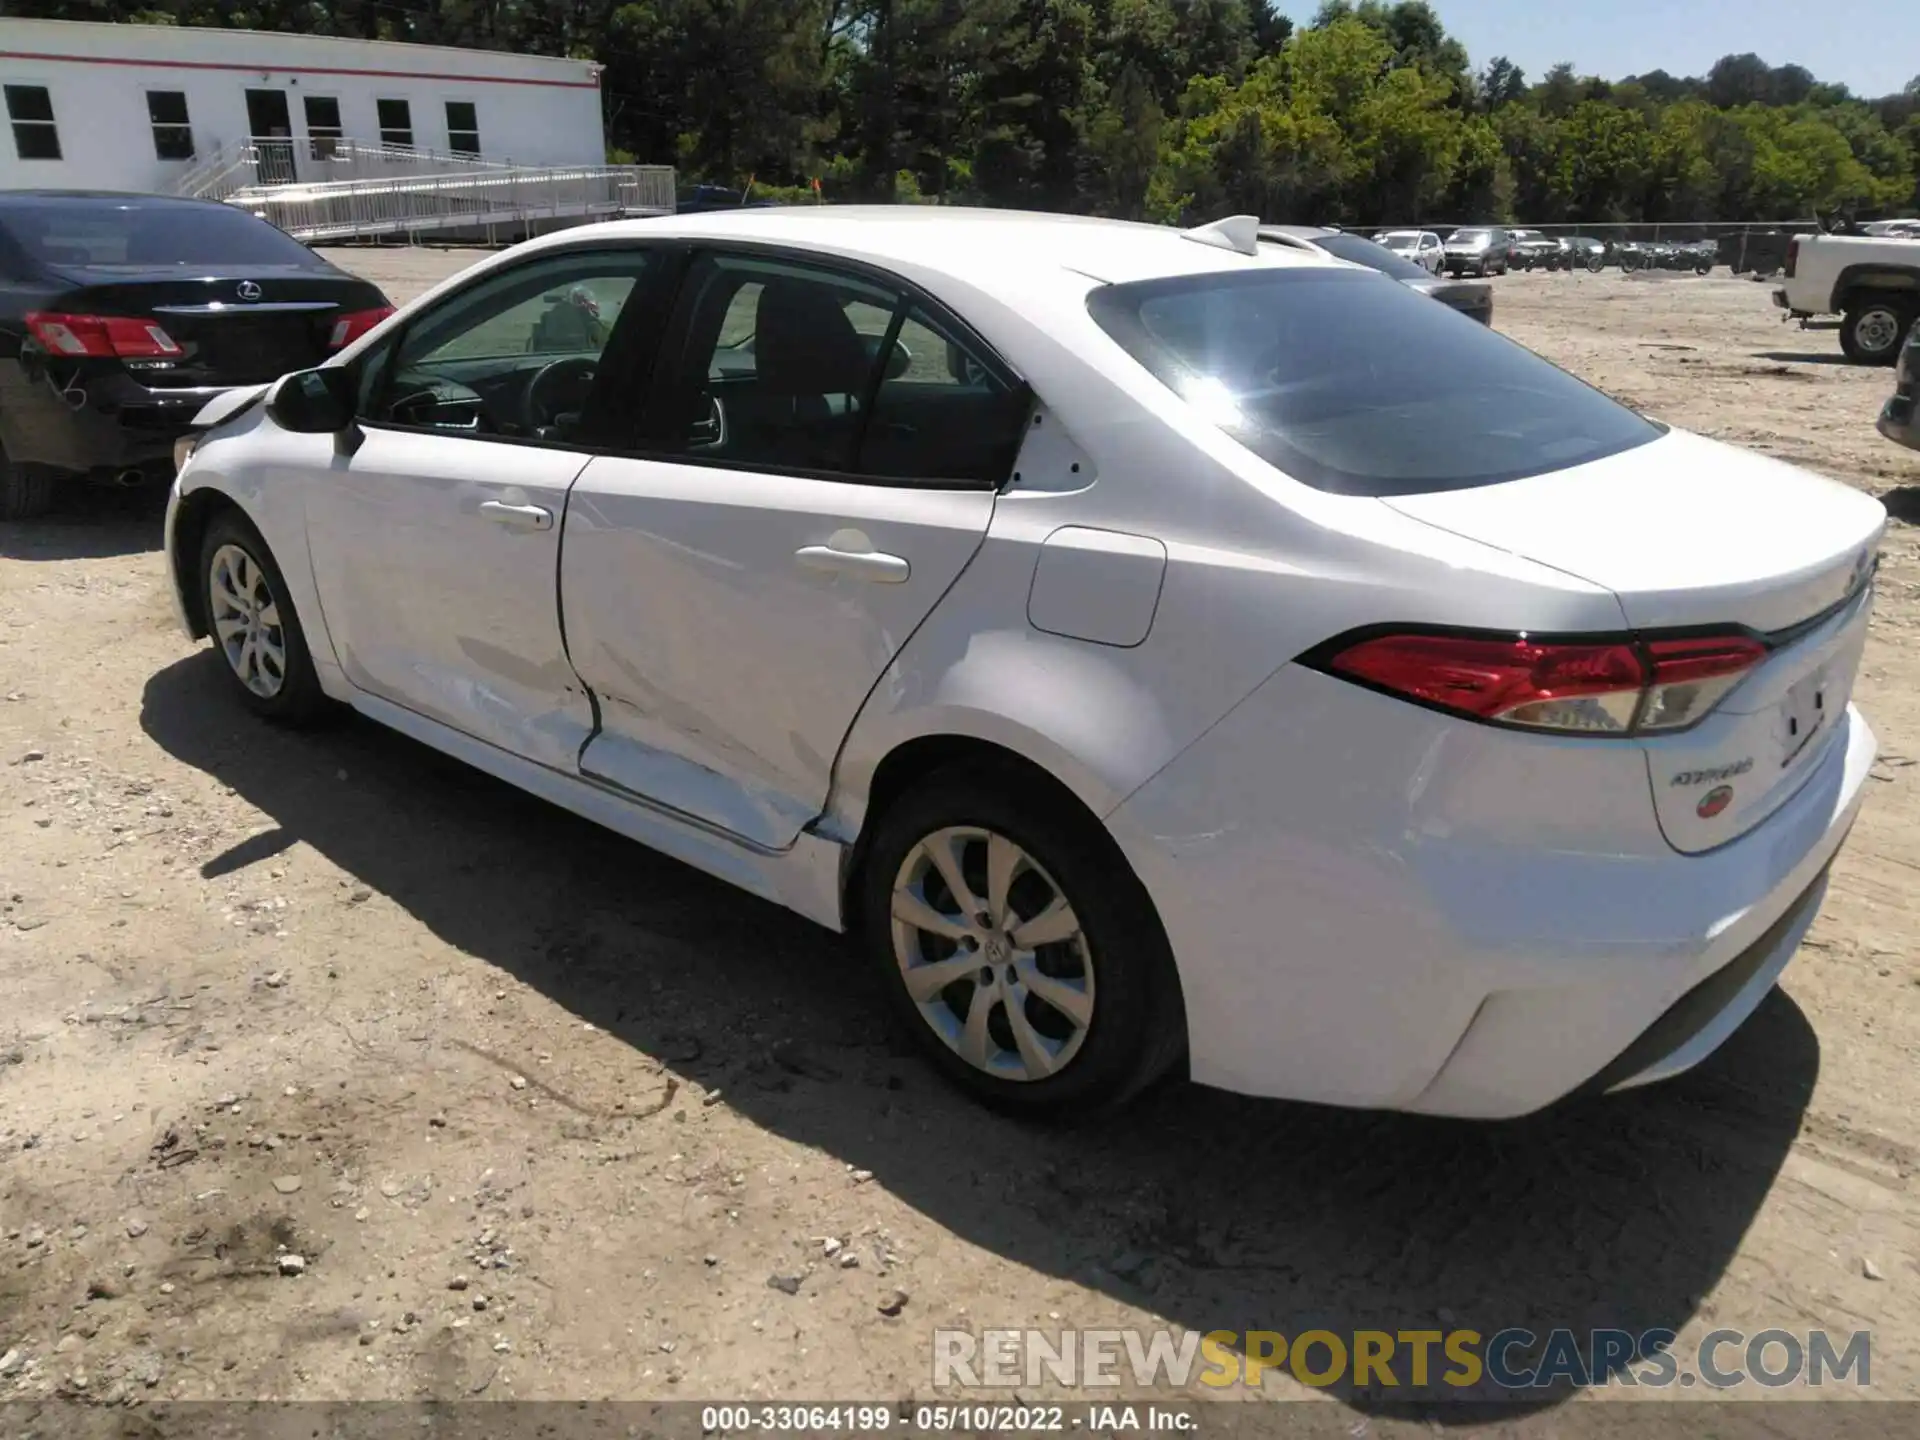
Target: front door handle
{"x": 861, "y": 564}
{"x": 517, "y": 517}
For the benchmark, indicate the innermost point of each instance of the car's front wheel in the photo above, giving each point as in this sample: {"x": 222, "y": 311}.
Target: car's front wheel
{"x": 1017, "y": 946}
{"x": 253, "y": 623}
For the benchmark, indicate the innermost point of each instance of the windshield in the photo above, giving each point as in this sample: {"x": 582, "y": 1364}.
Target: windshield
{"x": 1359, "y": 385}
{"x": 1470, "y": 237}
{"x": 1374, "y": 257}
{"x": 133, "y": 235}
{"x": 1401, "y": 239}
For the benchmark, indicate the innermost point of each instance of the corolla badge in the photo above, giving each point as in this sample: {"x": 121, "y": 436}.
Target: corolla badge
{"x": 248, "y": 290}
{"x": 1714, "y": 801}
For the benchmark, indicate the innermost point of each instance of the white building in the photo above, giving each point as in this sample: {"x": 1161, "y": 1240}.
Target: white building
{"x": 135, "y": 107}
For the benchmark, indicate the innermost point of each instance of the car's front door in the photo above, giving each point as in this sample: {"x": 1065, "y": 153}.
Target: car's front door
{"x": 436, "y": 541}
{"x": 817, "y": 466}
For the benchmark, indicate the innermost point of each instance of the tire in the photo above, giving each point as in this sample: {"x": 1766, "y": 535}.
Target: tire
{"x": 25, "y": 493}
{"x": 1596, "y": 263}
{"x": 1874, "y": 328}
{"x": 1116, "y": 962}
{"x": 287, "y": 692}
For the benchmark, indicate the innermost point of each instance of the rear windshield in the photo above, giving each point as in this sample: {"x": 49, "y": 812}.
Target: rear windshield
{"x": 1356, "y": 384}
{"x": 1374, "y": 257}
{"x": 132, "y": 235}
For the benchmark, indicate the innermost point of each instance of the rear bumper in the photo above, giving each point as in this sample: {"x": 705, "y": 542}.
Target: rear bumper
{"x": 1371, "y": 905}
{"x": 106, "y": 422}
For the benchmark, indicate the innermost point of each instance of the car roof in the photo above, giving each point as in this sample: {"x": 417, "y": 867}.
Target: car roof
{"x": 55, "y": 199}
{"x": 975, "y": 245}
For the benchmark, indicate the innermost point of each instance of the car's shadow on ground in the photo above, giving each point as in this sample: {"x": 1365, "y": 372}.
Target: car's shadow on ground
{"x": 1216, "y": 1212}
{"x": 1804, "y": 357}
{"x": 90, "y": 522}
{"x": 1903, "y": 503}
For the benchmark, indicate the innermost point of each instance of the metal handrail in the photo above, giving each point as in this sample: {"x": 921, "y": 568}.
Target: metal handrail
{"x": 272, "y": 160}
{"x": 479, "y": 200}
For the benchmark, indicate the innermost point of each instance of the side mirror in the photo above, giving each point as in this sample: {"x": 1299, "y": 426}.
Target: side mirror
{"x": 313, "y": 402}
{"x": 899, "y": 362}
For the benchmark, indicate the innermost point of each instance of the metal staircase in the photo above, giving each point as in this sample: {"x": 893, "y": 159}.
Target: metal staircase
{"x": 330, "y": 191}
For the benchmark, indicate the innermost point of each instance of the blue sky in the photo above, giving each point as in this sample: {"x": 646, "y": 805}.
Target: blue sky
{"x": 1872, "y": 46}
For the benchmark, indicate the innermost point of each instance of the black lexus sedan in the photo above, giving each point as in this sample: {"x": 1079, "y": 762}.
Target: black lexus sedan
{"x": 1470, "y": 297}
{"x": 122, "y": 315}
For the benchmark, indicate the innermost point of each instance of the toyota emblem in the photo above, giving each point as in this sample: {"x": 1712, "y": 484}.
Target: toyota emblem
{"x": 248, "y": 290}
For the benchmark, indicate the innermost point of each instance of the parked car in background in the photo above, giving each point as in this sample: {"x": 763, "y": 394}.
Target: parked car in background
{"x": 1476, "y": 250}
{"x": 1531, "y": 250}
{"x": 1585, "y": 252}
{"x": 1422, "y": 247}
{"x": 698, "y": 199}
{"x": 1751, "y": 251}
{"x": 1471, "y": 297}
{"x": 1900, "y": 418}
{"x": 1189, "y": 653}
{"x": 122, "y": 315}
{"x": 1871, "y": 281}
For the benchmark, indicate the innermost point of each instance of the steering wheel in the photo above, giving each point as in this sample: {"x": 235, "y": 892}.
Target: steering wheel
{"x": 709, "y": 432}
{"x": 558, "y": 389}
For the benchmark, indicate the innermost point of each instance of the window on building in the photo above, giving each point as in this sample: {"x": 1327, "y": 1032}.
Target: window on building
{"x": 323, "y": 125}
{"x": 396, "y": 122}
{"x": 35, "y": 136}
{"x": 463, "y": 127}
{"x": 172, "y": 134}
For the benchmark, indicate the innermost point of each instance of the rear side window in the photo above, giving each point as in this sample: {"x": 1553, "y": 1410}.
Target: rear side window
{"x": 147, "y": 236}
{"x": 801, "y": 368}
{"x": 1356, "y": 384}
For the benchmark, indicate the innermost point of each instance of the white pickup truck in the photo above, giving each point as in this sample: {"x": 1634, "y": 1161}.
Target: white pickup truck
{"x": 1871, "y": 281}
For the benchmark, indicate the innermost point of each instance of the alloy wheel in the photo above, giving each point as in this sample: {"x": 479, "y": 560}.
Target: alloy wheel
{"x": 245, "y": 615}
{"x": 992, "y": 954}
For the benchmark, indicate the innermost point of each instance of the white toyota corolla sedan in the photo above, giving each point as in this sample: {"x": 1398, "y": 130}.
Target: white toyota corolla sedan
{"x": 1159, "y": 650}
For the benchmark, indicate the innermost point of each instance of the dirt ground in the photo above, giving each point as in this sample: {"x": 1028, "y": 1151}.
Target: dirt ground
{"x": 545, "y": 1115}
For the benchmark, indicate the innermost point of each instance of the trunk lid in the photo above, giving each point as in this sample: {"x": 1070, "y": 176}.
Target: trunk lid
{"x": 1692, "y": 534}
{"x": 249, "y": 325}
{"x": 1685, "y": 530}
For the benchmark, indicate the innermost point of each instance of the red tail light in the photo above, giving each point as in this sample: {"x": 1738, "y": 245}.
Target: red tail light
{"x": 101, "y": 336}
{"x": 1793, "y": 255}
{"x": 349, "y": 328}
{"x": 1600, "y": 686}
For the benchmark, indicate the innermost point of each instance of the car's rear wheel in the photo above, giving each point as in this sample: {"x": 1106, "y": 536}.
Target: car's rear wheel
{"x": 1873, "y": 329}
{"x": 25, "y": 492}
{"x": 254, "y": 627}
{"x": 1016, "y": 945}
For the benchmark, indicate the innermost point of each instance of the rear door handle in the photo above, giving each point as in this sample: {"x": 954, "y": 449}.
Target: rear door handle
{"x": 861, "y": 564}
{"x": 517, "y": 517}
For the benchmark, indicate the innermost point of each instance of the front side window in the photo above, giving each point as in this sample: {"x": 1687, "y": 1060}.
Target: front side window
{"x": 172, "y": 133}
{"x": 396, "y": 122}
{"x": 793, "y": 367}
{"x": 1359, "y": 385}
{"x": 463, "y": 127}
{"x": 516, "y": 355}
{"x": 35, "y": 135}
